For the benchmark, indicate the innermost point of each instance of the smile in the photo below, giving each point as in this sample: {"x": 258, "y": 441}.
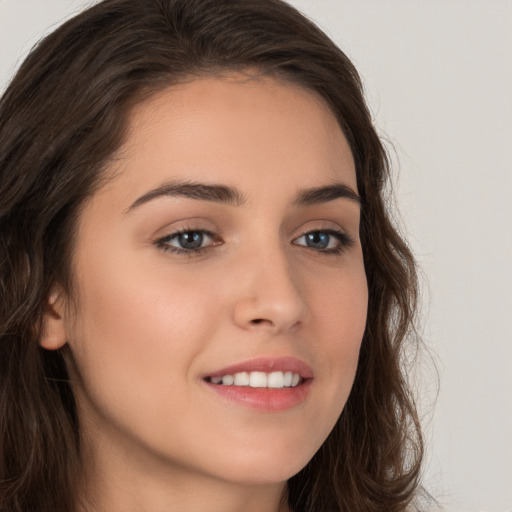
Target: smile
{"x": 264, "y": 384}
{"x": 273, "y": 380}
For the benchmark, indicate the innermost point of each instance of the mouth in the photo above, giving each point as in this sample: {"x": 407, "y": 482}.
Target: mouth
{"x": 263, "y": 383}
{"x": 274, "y": 380}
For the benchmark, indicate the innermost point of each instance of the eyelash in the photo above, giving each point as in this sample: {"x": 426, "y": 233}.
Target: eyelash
{"x": 344, "y": 242}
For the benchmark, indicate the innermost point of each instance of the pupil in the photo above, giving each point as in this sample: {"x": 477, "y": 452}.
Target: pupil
{"x": 318, "y": 240}
{"x": 191, "y": 240}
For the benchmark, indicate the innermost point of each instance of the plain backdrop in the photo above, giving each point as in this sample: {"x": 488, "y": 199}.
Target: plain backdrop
{"x": 438, "y": 77}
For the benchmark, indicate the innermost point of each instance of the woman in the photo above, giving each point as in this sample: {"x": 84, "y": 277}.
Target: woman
{"x": 204, "y": 302}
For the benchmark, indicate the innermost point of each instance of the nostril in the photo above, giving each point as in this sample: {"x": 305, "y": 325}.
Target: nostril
{"x": 259, "y": 321}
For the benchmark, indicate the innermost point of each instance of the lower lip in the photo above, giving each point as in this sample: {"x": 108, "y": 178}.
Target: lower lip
{"x": 264, "y": 399}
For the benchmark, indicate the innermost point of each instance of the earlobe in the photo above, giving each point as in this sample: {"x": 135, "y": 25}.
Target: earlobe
{"x": 53, "y": 335}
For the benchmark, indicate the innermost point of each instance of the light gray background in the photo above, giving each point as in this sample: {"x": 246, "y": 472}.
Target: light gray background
{"x": 438, "y": 76}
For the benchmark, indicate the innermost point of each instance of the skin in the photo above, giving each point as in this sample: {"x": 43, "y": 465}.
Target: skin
{"x": 146, "y": 325}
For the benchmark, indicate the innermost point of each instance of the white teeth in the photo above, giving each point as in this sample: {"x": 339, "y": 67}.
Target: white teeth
{"x": 228, "y": 380}
{"x": 241, "y": 379}
{"x": 274, "y": 380}
{"x": 258, "y": 380}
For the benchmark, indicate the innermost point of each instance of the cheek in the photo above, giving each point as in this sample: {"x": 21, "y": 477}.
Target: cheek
{"x": 341, "y": 310}
{"x": 130, "y": 332}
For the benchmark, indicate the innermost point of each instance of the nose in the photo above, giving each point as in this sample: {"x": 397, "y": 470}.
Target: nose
{"x": 268, "y": 294}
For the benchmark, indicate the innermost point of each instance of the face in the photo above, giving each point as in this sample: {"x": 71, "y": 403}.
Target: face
{"x": 220, "y": 290}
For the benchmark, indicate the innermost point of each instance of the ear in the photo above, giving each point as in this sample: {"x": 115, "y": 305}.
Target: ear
{"x": 53, "y": 335}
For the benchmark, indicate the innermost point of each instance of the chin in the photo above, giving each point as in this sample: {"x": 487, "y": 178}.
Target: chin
{"x": 264, "y": 467}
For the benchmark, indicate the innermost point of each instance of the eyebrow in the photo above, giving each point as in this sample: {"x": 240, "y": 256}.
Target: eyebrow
{"x": 230, "y": 195}
{"x": 320, "y": 195}
{"x": 191, "y": 190}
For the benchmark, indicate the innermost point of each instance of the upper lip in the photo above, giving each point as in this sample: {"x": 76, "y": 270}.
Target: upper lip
{"x": 267, "y": 365}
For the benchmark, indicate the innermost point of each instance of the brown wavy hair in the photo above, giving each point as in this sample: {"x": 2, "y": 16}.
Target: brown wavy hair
{"x": 61, "y": 119}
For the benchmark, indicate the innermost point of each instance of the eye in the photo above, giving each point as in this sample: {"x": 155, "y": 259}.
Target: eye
{"x": 328, "y": 241}
{"x": 187, "y": 241}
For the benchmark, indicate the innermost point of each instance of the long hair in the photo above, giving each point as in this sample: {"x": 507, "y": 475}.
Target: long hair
{"x": 63, "y": 116}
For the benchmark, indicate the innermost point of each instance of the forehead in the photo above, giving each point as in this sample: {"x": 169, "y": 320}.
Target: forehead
{"x": 234, "y": 128}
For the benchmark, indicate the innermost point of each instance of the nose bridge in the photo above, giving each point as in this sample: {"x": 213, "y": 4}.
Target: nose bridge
{"x": 269, "y": 294}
